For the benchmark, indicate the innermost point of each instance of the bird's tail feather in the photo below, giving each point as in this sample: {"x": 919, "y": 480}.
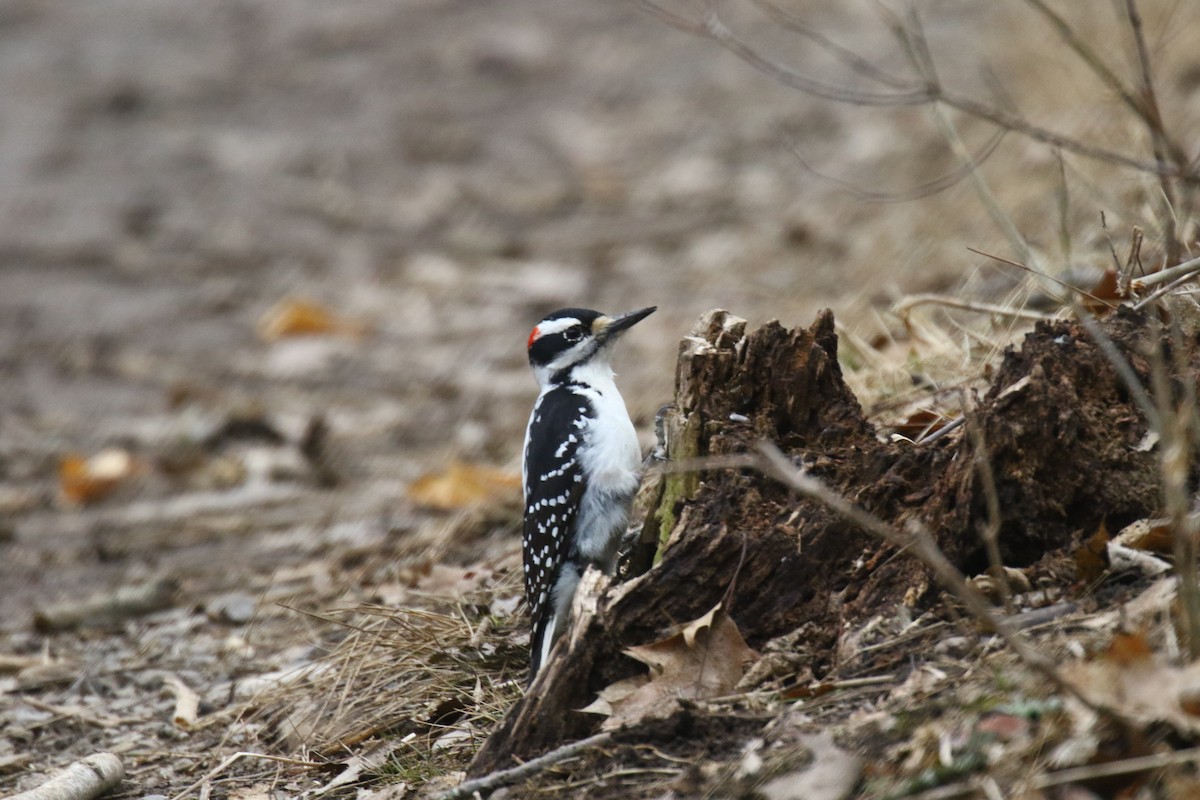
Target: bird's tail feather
{"x": 543, "y": 638}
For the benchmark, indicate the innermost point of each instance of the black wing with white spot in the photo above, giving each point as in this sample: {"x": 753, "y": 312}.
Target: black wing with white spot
{"x": 553, "y": 489}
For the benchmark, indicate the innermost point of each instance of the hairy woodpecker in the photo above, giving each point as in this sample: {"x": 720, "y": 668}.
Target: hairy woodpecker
{"x": 581, "y": 464}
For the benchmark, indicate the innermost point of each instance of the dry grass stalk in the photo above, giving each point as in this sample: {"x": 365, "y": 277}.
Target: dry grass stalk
{"x": 1177, "y": 421}
{"x": 913, "y": 301}
{"x": 233, "y": 759}
{"x": 433, "y": 676}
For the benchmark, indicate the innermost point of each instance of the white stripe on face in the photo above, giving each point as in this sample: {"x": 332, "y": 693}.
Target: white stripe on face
{"x": 555, "y": 326}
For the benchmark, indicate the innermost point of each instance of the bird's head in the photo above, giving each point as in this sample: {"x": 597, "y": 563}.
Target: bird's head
{"x": 574, "y": 336}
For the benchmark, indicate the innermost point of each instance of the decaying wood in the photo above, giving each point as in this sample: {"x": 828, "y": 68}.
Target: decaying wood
{"x": 82, "y": 780}
{"x": 187, "y": 702}
{"x": 10, "y": 662}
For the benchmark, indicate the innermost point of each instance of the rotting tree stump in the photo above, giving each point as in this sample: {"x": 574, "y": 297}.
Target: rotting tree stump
{"x": 1057, "y": 423}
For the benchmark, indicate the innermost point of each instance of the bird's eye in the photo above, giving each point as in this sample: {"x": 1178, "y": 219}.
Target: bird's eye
{"x": 574, "y": 333}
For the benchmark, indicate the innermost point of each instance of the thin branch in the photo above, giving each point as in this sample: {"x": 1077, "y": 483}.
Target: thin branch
{"x": 1064, "y": 208}
{"x": 720, "y": 33}
{"x": 912, "y": 38}
{"x": 506, "y": 777}
{"x": 1188, "y": 267}
{"x": 711, "y": 27}
{"x": 677, "y": 21}
{"x": 1091, "y": 58}
{"x": 926, "y": 67}
{"x": 1153, "y": 116}
{"x": 1113, "y": 768}
{"x": 852, "y": 60}
{"x": 942, "y": 431}
{"x": 1165, "y": 290}
{"x": 927, "y": 189}
{"x": 1011, "y": 121}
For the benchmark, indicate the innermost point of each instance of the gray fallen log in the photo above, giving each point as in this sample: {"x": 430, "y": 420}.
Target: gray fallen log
{"x": 82, "y": 780}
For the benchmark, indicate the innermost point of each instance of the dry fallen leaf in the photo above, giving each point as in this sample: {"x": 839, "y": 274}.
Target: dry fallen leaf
{"x": 294, "y": 316}
{"x": 1127, "y": 649}
{"x": 1130, "y": 681}
{"x": 464, "y": 485}
{"x": 85, "y": 480}
{"x": 706, "y": 658}
{"x": 832, "y": 774}
{"x": 1153, "y": 535}
{"x": 1091, "y": 559}
{"x": 258, "y": 791}
{"x": 1105, "y": 294}
{"x": 920, "y": 423}
{"x": 438, "y": 579}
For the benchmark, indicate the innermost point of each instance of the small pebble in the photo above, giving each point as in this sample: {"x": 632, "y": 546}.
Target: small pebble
{"x": 234, "y": 609}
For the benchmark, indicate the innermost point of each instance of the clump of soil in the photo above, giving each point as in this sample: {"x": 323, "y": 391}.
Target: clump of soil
{"x": 1066, "y": 443}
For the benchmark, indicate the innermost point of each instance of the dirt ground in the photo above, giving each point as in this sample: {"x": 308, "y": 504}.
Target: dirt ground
{"x": 438, "y": 174}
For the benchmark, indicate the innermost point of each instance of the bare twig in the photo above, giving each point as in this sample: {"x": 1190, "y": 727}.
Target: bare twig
{"x": 1111, "y": 768}
{"x": 932, "y": 187}
{"x": 712, "y": 27}
{"x": 789, "y": 21}
{"x": 942, "y": 431}
{"x": 1064, "y": 208}
{"x": 506, "y": 777}
{"x": 912, "y": 38}
{"x": 1134, "y": 259}
{"x": 1189, "y": 267}
{"x": 1163, "y": 147}
{"x": 718, "y": 31}
{"x": 1090, "y": 57}
{"x": 1162, "y": 291}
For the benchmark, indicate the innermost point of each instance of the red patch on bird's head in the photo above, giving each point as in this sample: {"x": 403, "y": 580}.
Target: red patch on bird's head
{"x": 532, "y": 337}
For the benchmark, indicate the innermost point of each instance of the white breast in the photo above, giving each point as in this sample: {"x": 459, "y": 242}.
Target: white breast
{"x": 611, "y": 458}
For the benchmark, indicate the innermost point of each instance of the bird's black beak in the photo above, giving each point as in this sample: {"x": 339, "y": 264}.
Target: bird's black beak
{"x": 626, "y": 321}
